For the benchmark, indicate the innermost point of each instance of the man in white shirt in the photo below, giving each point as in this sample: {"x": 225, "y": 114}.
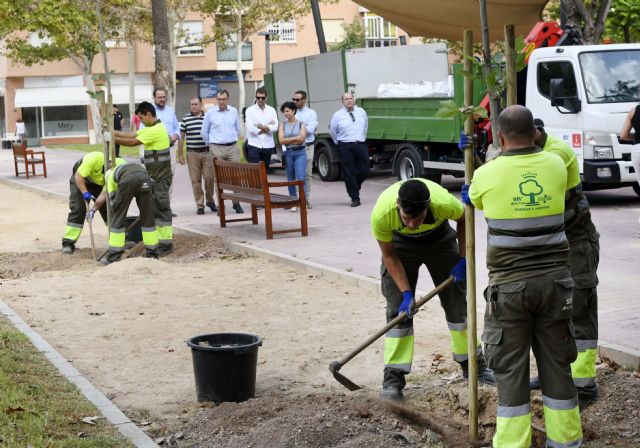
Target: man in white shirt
{"x": 21, "y": 130}
{"x": 261, "y": 123}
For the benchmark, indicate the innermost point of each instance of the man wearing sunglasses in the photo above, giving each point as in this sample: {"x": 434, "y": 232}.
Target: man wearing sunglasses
{"x": 348, "y": 129}
{"x": 309, "y": 117}
{"x": 261, "y": 123}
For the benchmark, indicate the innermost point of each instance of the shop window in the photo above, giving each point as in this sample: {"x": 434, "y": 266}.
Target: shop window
{"x": 65, "y": 121}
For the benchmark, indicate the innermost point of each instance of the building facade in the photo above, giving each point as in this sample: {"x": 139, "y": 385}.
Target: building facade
{"x": 51, "y": 98}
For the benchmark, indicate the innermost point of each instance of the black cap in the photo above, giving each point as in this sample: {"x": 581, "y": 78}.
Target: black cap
{"x": 538, "y": 123}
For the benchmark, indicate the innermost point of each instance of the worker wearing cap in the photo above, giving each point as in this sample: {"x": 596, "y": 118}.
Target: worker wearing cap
{"x": 157, "y": 160}
{"x": 584, "y": 254}
{"x": 410, "y": 221}
{"x": 123, "y": 184}
{"x": 529, "y": 297}
{"x": 85, "y": 184}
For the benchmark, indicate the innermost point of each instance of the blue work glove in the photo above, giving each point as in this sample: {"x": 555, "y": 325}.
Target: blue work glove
{"x": 465, "y": 141}
{"x": 464, "y": 195}
{"x": 459, "y": 271}
{"x": 90, "y": 214}
{"x": 88, "y": 196}
{"x": 408, "y": 303}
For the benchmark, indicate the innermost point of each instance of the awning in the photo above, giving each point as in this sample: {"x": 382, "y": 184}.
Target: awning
{"x": 448, "y": 20}
{"x": 51, "y": 96}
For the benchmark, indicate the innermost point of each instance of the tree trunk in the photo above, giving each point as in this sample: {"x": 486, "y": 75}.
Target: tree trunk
{"x": 95, "y": 110}
{"x": 162, "y": 44}
{"x": 239, "y": 44}
{"x": 172, "y": 20}
{"x": 131, "y": 66}
{"x": 486, "y": 56}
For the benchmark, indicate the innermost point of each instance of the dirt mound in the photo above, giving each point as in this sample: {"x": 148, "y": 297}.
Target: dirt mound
{"x": 313, "y": 421}
{"x": 188, "y": 248}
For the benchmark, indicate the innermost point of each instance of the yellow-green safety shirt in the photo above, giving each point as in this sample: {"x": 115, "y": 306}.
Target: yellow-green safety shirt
{"x": 154, "y": 138}
{"x": 522, "y": 194}
{"x": 92, "y": 167}
{"x": 385, "y": 217}
{"x": 577, "y": 217}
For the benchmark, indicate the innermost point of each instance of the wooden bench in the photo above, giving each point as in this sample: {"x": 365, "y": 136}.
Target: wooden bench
{"x": 28, "y": 156}
{"x": 248, "y": 183}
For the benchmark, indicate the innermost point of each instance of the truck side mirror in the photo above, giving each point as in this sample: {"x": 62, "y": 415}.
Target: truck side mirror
{"x": 558, "y": 97}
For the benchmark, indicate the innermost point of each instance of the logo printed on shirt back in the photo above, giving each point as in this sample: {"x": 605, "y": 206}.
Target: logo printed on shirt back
{"x": 530, "y": 194}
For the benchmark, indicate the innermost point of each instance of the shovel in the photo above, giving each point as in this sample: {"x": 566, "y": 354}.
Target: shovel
{"x": 93, "y": 243}
{"x": 335, "y": 366}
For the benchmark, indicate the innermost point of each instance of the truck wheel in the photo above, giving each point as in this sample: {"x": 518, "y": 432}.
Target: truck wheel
{"x": 636, "y": 188}
{"x": 327, "y": 162}
{"x": 409, "y": 164}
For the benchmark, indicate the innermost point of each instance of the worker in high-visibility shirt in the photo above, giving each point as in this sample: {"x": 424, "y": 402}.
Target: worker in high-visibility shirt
{"x": 157, "y": 161}
{"x": 410, "y": 222}
{"x": 123, "y": 184}
{"x": 530, "y": 292}
{"x": 85, "y": 184}
{"x": 584, "y": 255}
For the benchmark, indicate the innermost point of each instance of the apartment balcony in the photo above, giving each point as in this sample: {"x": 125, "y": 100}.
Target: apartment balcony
{"x": 226, "y": 57}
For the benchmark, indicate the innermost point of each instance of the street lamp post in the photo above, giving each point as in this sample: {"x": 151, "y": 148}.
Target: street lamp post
{"x": 267, "y": 35}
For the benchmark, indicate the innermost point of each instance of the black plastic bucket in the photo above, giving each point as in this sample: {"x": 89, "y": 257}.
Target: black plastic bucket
{"x": 224, "y": 366}
{"x": 133, "y": 234}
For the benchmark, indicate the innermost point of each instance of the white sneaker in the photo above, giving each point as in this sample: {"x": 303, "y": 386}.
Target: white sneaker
{"x": 293, "y": 209}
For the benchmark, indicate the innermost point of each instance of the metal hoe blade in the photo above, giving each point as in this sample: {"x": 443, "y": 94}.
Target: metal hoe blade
{"x": 346, "y": 382}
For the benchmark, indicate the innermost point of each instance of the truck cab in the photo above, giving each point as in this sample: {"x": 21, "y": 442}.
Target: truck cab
{"x": 583, "y": 94}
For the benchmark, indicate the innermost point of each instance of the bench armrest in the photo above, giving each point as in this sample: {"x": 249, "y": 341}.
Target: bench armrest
{"x": 285, "y": 184}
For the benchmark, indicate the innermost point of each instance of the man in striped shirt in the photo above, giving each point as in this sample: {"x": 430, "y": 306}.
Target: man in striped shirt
{"x": 199, "y": 159}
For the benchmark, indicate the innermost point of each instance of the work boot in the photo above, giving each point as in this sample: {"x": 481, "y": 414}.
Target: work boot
{"x": 485, "y": 374}
{"x": 587, "y": 396}
{"x": 67, "y": 250}
{"x": 535, "y": 384}
{"x": 164, "y": 250}
{"x": 391, "y": 393}
{"x": 237, "y": 208}
{"x": 212, "y": 205}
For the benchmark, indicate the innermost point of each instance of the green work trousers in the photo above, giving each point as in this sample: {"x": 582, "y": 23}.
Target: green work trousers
{"x": 158, "y": 166}
{"x": 78, "y": 209}
{"x": 533, "y": 313}
{"x": 583, "y": 264}
{"x": 439, "y": 252}
{"x": 132, "y": 184}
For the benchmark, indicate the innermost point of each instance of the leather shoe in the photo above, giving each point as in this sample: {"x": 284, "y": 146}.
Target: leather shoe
{"x": 200, "y": 211}
{"x": 237, "y": 208}
{"x": 212, "y": 206}
{"x": 355, "y": 203}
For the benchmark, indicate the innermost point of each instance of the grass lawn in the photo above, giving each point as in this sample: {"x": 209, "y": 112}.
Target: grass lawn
{"x": 39, "y": 407}
{"x": 82, "y": 147}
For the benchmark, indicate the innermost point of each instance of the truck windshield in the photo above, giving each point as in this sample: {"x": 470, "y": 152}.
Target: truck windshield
{"x": 611, "y": 76}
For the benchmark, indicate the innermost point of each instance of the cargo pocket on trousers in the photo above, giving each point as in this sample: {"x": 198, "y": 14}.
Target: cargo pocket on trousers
{"x": 491, "y": 337}
{"x": 564, "y": 298}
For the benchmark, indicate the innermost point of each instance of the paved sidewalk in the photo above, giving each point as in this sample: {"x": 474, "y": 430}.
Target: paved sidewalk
{"x": 340, "y": 239}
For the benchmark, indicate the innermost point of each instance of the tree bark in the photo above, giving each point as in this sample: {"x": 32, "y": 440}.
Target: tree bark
{"x": 162, "y": 43}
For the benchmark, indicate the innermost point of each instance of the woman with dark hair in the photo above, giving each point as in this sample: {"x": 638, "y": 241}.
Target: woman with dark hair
{"x": 291, "y": 134}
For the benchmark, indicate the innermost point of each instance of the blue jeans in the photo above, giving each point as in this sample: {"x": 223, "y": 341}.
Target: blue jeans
{"x": 296, "y": 168}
